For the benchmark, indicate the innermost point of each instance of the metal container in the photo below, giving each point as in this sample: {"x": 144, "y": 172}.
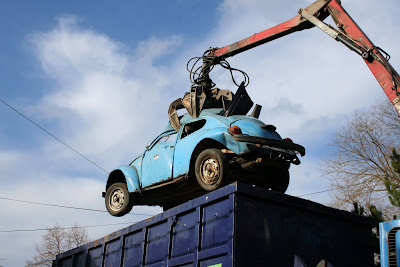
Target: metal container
{"x": 237, "y": 225}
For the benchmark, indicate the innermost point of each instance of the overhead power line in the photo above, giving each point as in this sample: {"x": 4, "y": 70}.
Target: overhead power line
{"x": 66, "y": 207}
{"x": 331, "y": 189}
{"x": 52, "y": 135}
{"x": 62, "y": 142}
{"x": 62, "y": 228}
{"x": 318, "y": 192}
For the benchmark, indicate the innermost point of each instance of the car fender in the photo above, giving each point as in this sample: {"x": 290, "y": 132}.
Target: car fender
{"x": 217, "y": 134}
{"x": 222, "y": 136}
{"x": 127, "y": 174}
{"x": 188, "y": 146}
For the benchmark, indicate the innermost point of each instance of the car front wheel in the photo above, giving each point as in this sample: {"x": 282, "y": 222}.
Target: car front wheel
{"x": 118, "y": 202}
{"x": 210, "y": 168}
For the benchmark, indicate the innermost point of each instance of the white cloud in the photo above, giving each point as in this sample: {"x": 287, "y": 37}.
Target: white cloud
{"x": 68, "y": 51}
{"x": 108, "y": 100}
{"x": 155, "y": 47}
{"x": 102, "y": 102}
{"x": 104, "y": 97}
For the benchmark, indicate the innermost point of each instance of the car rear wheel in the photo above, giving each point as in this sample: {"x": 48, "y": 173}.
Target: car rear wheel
{"x": 210, "y": 168}
{"x": 279, "y": 181}
{"x": 118, "y": 201}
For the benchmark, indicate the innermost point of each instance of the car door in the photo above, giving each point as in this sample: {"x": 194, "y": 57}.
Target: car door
{"x": 158, "y": 159}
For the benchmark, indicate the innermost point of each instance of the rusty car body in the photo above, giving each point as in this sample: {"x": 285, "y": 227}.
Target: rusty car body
{"x": 214, "y": 149}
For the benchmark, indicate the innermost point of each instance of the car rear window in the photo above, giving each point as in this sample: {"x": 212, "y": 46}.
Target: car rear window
{"x": 192, "y": 127}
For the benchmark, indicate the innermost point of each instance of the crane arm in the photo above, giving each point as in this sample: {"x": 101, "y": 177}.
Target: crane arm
{"x": 295, "y": 24}
{"x": 348, "y": 33}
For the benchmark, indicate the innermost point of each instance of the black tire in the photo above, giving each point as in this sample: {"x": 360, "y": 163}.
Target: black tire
{"x": 118, "y": 200}
{"x": 169, "y": 206}
{"x": 211, "y": 167}
{"x": 280, "y": 180}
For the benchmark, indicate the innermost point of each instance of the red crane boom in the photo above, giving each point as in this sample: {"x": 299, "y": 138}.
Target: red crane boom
{"x": 348, "y": 33}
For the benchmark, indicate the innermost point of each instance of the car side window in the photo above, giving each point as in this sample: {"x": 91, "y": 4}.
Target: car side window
{"x": 169, "y": 138}
{"x": 163, "y": 139}
{"x": 192, "y": 127}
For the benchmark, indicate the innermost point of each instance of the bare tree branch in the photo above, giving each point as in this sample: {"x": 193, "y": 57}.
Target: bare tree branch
{"x": 57, "y": 240}
{"x": 361, "y": 161}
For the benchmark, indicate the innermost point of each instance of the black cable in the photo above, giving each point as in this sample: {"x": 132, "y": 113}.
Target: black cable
{"x": 224, "y": 64}
{"x": 66, "y": 207}
{"x": 227, "y": 66}
{"x": 332, "y": 189}
{"x": 198, "y": 74}
{"x": 40, "y": 127}
{"x": 317, "y": 192}
{"x": 63, "y": 228}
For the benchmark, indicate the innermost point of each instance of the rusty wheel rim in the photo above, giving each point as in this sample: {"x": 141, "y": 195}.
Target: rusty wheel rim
{"x": 210, "y": 171}
{"x": 117, "y": 200}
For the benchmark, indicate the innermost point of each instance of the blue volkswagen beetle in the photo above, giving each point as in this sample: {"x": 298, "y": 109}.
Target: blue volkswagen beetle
{"x": 205, "y": 153}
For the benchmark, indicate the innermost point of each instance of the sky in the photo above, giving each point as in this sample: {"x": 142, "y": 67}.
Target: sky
{"x": 100, "y": 76}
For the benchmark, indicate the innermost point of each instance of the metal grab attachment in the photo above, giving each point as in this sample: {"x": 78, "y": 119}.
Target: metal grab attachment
{"x": 196, "y": 100}
{"x": 173, "y": 115}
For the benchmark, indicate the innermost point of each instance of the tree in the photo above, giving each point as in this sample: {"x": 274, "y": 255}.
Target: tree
{"x": 378, "y": 216}
{"x": 361, "y": 161}
{"x": 394, "y": 199}
{"x": 391, "y": 187}
{"x": 56, "y": 240}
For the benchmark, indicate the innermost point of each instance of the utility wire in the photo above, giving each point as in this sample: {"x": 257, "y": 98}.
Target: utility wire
{"x": 40, "y": 127}
{"x": 62, "y": 142}
{"x": 62, "y": 228}
{"x": 66, "y": 207}
{"x": 318, "y": 192}
{"x": 332, "y": 189}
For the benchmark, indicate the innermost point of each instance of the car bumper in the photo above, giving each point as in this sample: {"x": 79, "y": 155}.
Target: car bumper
{"x": 269, "y": 142}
